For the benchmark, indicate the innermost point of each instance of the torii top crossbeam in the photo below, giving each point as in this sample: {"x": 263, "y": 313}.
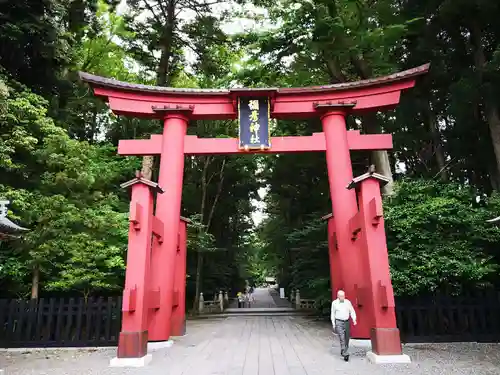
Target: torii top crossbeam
{"x": 285, "y": 103}
{"x": 140, "y": 100}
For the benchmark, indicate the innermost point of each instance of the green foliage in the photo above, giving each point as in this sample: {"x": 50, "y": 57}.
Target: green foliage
{"x": 438, "y": 239}
{"x": 60, "y": 189}
{"x": 59, "y": 167}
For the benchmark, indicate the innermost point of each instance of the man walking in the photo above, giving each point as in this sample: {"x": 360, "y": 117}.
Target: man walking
{"x": 341, "y": 311}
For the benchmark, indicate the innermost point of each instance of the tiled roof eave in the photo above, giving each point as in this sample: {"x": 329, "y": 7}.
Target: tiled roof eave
{"x": 7, "y": 226}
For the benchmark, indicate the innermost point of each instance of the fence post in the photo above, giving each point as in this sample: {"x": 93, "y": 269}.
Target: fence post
{"x": 201, "y": 303}
{"x": 292, "y": 296}
{"x": 221, "y": 301}
{"x": 297, "y": 299}
{"x": 226, "y": 297}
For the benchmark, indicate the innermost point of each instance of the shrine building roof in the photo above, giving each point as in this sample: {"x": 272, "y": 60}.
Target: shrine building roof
{"x": 9, "y": 227}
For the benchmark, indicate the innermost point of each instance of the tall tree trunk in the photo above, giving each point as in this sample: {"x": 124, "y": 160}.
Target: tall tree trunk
{"x": 436, "y": 141}
{"x": 166, "y": 43}
{"x": 199, "y": 255}
{"x": 490, "y": 108}
{"x": 379, "y": 157}
{"x": 206, "y": 220}
{"x": 493, "y": 118}
{"x": 35, "y": 281}
{"x": 163, "y": 73}
{"x": 147, "y": 167}
{"x": 370, "y": 124}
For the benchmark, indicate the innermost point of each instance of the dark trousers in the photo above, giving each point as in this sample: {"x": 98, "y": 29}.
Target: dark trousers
{"x": 343, "y": 328}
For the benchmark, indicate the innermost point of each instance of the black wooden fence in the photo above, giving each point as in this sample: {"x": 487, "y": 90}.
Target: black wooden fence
{"x": 474, "y": 317}
{"x": 59, "y": 322}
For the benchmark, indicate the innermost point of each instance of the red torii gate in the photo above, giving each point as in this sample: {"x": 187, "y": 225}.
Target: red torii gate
{"x": 152, "y": 283}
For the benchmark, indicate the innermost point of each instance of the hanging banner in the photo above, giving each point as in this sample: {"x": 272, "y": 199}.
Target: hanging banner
{"x": 254, "y": 123}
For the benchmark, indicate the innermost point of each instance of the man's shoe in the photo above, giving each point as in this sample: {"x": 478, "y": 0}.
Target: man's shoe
{"x": 346, "y": 358}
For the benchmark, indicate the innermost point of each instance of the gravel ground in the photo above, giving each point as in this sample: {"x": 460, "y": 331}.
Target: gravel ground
{"x": 260, "y": 346}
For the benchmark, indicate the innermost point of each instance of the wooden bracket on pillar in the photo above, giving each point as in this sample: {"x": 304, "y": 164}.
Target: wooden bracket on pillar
{"x": 175, "y": 298}
{"x": 376, "y": 210}
{"x": 355, "y": 226}
{"x": 129, "y": 299}
{"x": 135, "y": 215}
{"x": 359, "y": 293}
{"x": 154, "y": 299}
{"x": 382, "y": 292}
{"x": 158, "y": 228}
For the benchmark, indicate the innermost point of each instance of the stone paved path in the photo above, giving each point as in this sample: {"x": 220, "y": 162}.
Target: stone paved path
{"x": 260, "y": 346}
{"x": 280, "y": 302}
{"x": 264, "y": 298}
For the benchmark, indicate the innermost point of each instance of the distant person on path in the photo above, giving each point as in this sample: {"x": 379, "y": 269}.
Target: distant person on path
{"x": 250, "y": 295}
{"x": 341, "y": 311}
{"x": 241, "y": 300}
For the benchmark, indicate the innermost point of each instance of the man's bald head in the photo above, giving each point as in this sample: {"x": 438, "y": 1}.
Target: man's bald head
{"x": 341, "y": 295}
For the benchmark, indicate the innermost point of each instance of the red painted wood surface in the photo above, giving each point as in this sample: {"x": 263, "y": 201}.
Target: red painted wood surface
{"x": 279, "y": 145}
{"x": 344, "y": 206}
{"x": 168, "y": 210}
{"x": 336, "y": 280}
{"x": 349, "y": 268}
{"x": 380, "y": 307}
{"x": 139, "y": 100}
{"x": 179, "y": 311}
{"x": 135, "y": 294}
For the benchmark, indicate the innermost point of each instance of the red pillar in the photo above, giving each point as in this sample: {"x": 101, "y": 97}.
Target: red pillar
{"x": 375, "y": 260}
{"x": 168, "y": 210}
{"x": 333, "y": 255}
{"x": 344, "y": 206}
{"x": 179, "y": 308}
{"x": 133, "y": 339}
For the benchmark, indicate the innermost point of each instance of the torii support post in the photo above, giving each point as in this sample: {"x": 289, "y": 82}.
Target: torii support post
{"x": 168, "y": 210}
{"x": 133, "y": 339}
{"x": 179, "y": 300}
{"x": 336, "y": 282}
{"x": 344, "y": 205}
{"x": 377, "y": 291}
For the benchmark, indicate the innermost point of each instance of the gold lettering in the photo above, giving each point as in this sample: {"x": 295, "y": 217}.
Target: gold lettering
{"x": 254, "y": 116}
{"x": 253, "y": 105}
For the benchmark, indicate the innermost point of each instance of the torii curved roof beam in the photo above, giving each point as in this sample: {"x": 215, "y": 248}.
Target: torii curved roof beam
{"x": 143, "y": 100}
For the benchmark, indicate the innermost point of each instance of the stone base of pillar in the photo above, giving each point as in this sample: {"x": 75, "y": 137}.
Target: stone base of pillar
{"x": 132, "y": 345}
{"x": 157, "y": 345}
{"x": 383, "y": 359}
{"x": 131, "y": 362}
{"x": 386, "y": 341}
